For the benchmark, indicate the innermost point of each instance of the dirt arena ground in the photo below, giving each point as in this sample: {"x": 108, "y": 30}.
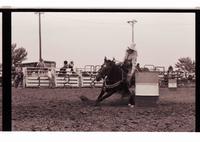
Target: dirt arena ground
{"x": 63, "y": 110}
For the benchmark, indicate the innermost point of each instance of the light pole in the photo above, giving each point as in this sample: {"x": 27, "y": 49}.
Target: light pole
{"x": 40, "y": 37}
{"x": 132, "y": 22}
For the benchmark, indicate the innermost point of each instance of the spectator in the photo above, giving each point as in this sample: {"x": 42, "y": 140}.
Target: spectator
{"x": 138, "y": 67}
{"x": 170, "y": 69}
{"x": 63, "y": 69}
{"x": 41, "y": 64}
{"x": 51, "y": 77}
{"x": 18, "y": 79}
{"x": 66, "y": 65}
{"x": 71, "y": 66}
{"x": 170, "y": 72}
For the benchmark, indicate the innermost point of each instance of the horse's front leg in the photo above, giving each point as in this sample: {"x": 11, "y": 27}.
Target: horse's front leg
{"x": 107, "y": 95}
{"x": 100, "y": 96}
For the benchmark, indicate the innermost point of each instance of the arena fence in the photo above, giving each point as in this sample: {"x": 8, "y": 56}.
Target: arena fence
{"x": 88, "y": 80}
{"x": 37, "y": 77}
{"x": 85, "y": 77}
{"x": 67, "y": 80}
{"x": 173, "y": 79}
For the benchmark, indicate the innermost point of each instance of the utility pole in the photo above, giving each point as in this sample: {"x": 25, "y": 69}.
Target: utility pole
{"x": 132, "y": 22}
{"x": 40, "y": 37}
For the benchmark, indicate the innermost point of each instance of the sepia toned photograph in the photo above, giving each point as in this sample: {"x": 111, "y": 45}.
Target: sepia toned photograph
{"x": 124, "y": 72}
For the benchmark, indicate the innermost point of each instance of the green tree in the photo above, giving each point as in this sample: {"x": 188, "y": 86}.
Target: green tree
{"x": 18, "y": 54}
{"x": 186, "y": 63}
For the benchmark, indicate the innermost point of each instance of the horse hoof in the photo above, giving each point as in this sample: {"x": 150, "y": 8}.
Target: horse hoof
{"x": 131, "y": 106}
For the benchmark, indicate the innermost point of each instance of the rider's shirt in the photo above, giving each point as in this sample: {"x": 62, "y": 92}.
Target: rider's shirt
{"x": 131, "y": 59}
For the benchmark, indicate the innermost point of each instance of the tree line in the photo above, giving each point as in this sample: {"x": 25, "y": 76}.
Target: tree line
{"x": 19, "y": 54}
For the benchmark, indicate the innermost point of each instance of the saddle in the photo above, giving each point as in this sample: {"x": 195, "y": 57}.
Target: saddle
{"x": 125, "y": 68}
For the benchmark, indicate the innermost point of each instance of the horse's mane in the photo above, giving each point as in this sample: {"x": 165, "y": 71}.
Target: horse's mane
{"x": 115, "y": 73}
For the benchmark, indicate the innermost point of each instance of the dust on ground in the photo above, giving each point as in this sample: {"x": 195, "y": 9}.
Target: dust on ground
{"x": 63, "y": 110}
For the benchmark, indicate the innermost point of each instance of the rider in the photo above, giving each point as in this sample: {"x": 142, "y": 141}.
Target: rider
{"x": 129, "y": 63}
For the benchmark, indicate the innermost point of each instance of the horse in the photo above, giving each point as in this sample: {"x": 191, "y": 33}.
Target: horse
{"x": 114, "y": 77}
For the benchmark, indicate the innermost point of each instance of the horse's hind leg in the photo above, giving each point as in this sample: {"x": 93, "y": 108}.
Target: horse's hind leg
{"x": 131, "y": 89}
{"x": 132, "y": 97}
{"x": 131, "y": 93}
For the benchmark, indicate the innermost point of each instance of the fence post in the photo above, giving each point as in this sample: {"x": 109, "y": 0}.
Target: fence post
{"x": 24, "y": 78}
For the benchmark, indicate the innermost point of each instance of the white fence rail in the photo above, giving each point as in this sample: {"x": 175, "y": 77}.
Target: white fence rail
{"x": 35, "y": 77}
{"x": 85, "y": 77}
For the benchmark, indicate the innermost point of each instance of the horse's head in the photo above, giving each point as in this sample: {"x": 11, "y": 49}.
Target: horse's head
{"x": 105, "y": 69}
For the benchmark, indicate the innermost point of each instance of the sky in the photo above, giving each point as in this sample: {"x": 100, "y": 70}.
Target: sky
{"x": 86, "y": 38}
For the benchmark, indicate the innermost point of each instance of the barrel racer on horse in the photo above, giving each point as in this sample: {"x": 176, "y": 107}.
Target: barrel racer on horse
{"x": 118, "y": 78}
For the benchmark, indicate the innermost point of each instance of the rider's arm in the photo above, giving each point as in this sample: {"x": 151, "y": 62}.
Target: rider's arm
{"x": 134, "y": 61}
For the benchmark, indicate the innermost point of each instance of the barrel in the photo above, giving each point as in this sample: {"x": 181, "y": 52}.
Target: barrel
{"x": 147, "y": 88}
{"x": 172, "y": 83}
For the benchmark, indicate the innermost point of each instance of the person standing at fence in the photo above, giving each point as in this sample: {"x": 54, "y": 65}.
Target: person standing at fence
{"x": 71, "y": 66}
{"x": 41, "y": 64}
{"x": 170, "y": 72}
{"x": 63, "y": 69}
{"x": 18, "y": 79}
{"x": 129, "y": 63}
{"x": 52, "y": 77}
{"x": 138, "y": 67}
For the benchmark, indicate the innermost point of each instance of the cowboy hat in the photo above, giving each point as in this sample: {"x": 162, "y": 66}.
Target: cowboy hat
{"x": 132, "y": 46}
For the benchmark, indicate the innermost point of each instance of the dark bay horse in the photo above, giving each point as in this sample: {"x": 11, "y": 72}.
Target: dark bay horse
{"x": 114, "y": 81}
